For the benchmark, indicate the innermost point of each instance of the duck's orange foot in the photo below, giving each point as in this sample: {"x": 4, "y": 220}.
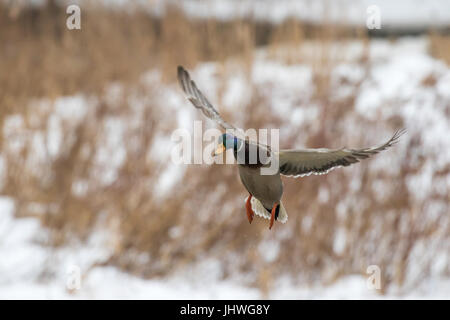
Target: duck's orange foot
{"x": 248, "y": 208}
{"x": 272, "y": 215}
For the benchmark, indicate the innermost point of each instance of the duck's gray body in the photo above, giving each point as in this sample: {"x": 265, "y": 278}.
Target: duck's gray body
{"x": 268, "y": 189}
{"x": 253, "y": 171}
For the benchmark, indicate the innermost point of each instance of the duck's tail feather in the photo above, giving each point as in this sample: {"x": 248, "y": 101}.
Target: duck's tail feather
{"x": 262, "y": 212}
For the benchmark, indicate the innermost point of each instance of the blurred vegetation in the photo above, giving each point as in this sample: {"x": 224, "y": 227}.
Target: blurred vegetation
{"x": 40, "y": 58}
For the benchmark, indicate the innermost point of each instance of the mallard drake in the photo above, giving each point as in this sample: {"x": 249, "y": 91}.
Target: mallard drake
{"x": 265, "y": 191}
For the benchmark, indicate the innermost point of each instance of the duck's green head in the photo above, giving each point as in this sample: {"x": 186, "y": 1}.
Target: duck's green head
{"x": 227, "y": 141}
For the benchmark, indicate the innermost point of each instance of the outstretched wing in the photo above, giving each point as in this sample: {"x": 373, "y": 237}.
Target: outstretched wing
{"x": 298, "y": 163}
{"x": 194, "y": 95}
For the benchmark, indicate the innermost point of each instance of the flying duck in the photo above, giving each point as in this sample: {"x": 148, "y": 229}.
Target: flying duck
{"x": 265, "y": 190}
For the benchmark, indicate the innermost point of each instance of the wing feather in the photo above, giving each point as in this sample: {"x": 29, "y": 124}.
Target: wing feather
{"x": 298, "y": 163}
{"x": 196, "y": 97}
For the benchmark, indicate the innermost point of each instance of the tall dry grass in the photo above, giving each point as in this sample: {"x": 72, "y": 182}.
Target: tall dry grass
{"x": 40, "y": 58}
{"x": 440, "y": 46}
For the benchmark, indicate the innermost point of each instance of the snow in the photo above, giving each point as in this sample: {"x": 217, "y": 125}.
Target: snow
{"x": 112, "y": 153}
{"x": 269, "y": 250}
{"x": 23, "y": 258}
{"x": 399, "y": 13}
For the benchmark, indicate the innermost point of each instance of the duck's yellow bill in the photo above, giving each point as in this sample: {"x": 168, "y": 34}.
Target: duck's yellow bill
{"x": 220, "y": 149}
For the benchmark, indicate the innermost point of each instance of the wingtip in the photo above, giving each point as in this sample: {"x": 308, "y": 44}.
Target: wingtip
{"x": 400, "y": 131}
{"x": 180, "y": 70}
{"x": 183, "y": 78}
{"x": 398, "y": 134}
{"x": 395, "y": 138}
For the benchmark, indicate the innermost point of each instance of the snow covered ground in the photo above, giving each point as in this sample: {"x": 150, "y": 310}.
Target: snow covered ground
{"x": 398, "y": 14}
{"x": 29, "y": 269}
{"x": 23, "y": 260}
